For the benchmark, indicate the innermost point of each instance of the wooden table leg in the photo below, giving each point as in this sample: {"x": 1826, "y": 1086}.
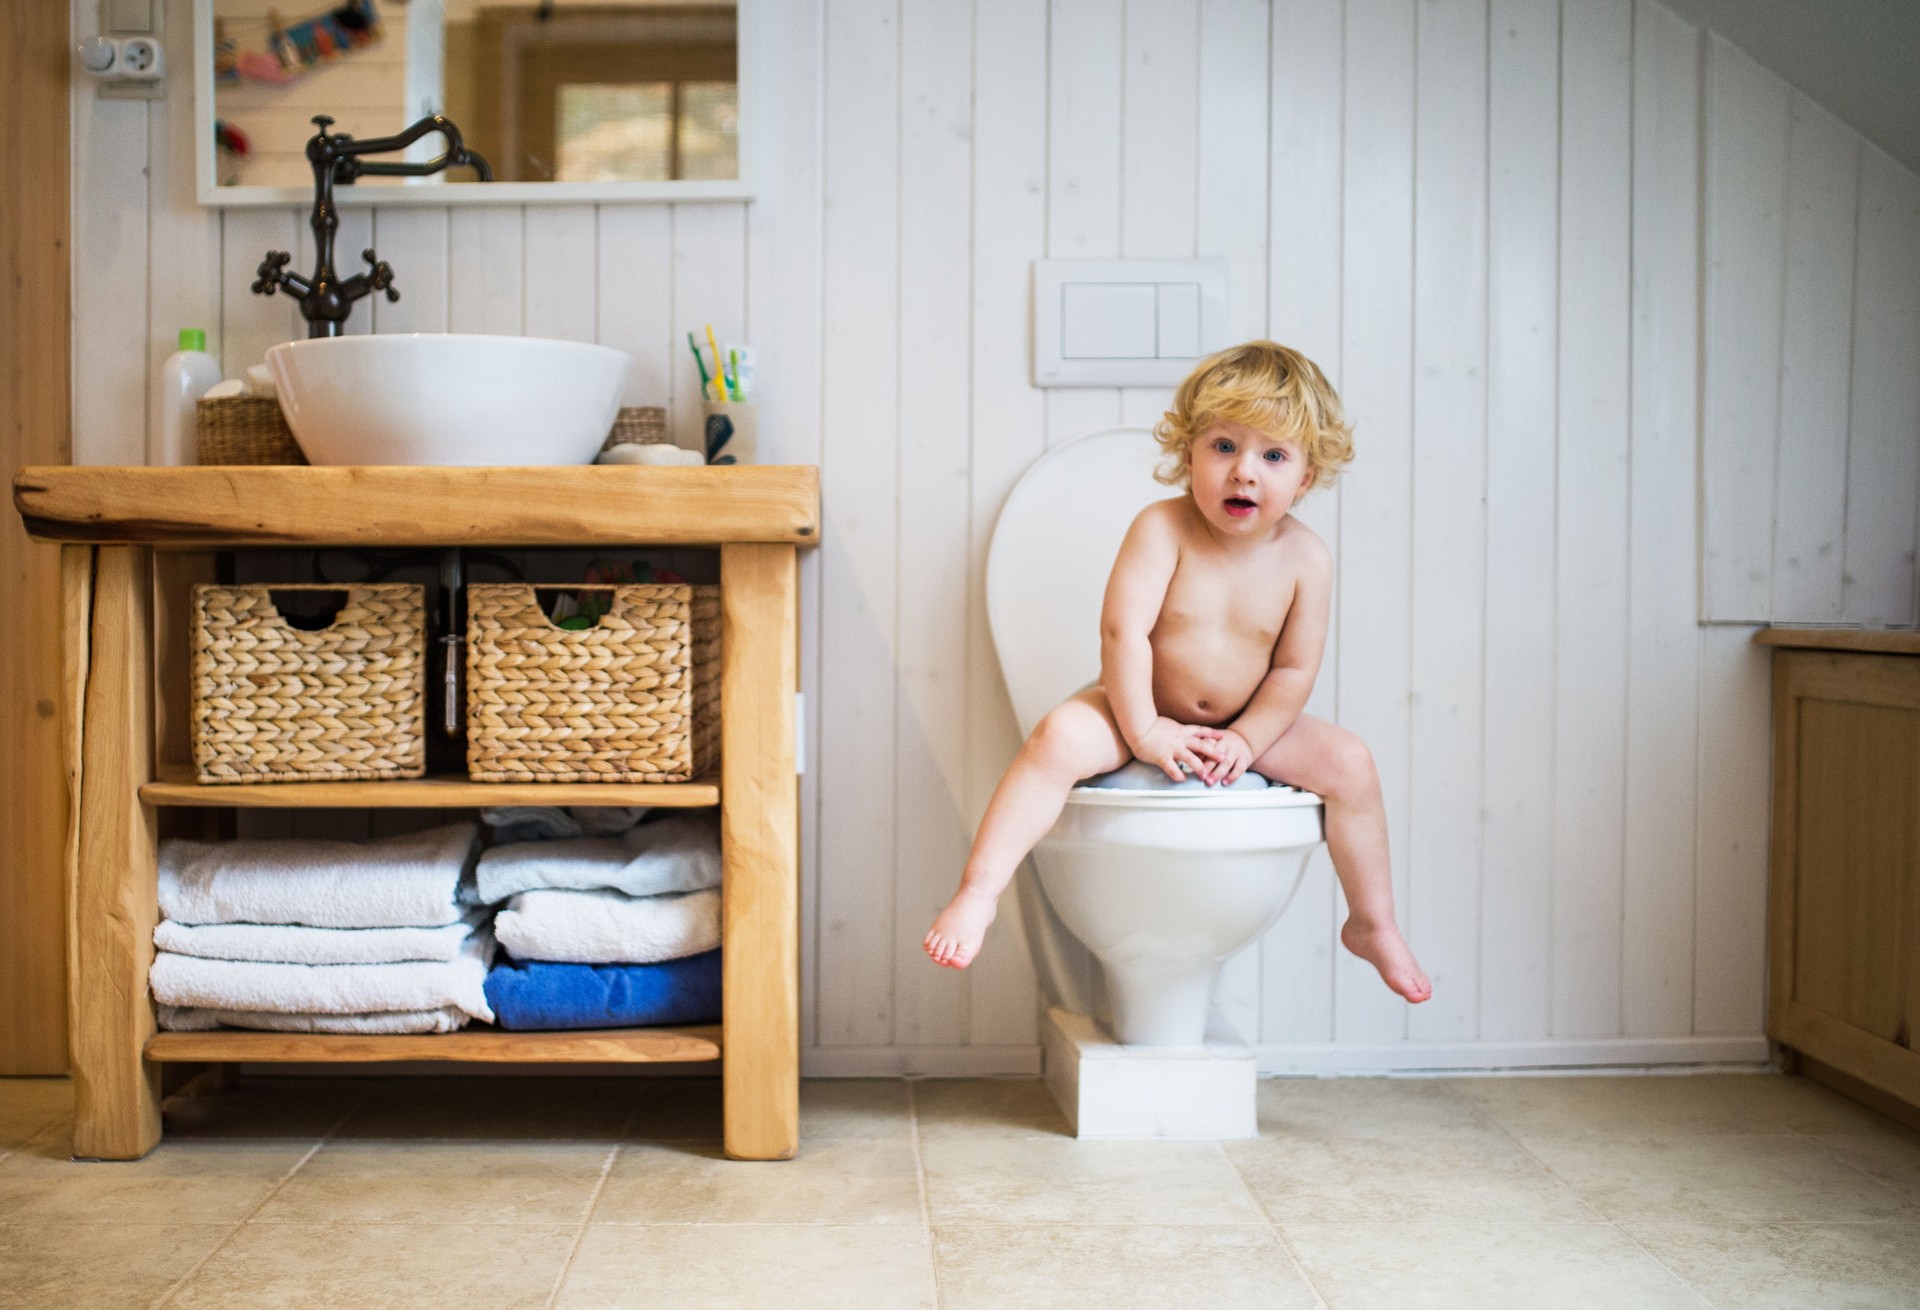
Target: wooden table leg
{"x": 759, "y": 843}
{"x": 116, "y": 1110}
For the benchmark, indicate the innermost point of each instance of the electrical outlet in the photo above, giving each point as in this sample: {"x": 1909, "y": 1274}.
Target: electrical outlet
{"x": 141, "y": 58}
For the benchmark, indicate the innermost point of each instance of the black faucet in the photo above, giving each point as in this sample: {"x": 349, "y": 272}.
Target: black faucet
{"x": 326, "y": 298}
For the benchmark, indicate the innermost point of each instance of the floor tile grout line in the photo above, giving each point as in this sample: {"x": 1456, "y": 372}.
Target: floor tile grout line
{"x": 1286, "y": 1245}
{"x": 593, "y": 1203}
{"x": 1608, "y": 1219}
{"x": 920, "y": 1178}
{"x": 1907, "y": 1202}
{"x": 247, "y": 1218}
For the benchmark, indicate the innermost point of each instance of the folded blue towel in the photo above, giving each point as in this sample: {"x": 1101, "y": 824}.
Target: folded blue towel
{"x": 532, "y": 995}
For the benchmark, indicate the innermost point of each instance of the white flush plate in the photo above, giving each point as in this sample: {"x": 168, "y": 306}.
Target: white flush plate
{"x": 1125, "y": 322}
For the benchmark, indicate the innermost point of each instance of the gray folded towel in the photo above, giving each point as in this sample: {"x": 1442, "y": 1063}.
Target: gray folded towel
{"x": 680, "y": 853}
{"x": 409, "y": 881}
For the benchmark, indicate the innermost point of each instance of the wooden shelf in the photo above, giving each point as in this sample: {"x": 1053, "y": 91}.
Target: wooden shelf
{"x": 176, "y": 786}
{"x": 480, "y": 1044}
{"x": 256, "y": 505}
{"x": 1881, "y": 641}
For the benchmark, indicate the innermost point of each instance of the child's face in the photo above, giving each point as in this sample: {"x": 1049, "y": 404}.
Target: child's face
{"x": 1245, "y": 481}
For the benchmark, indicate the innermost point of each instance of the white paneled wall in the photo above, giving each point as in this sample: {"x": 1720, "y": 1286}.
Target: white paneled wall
{"x": 1811, "y": 447}
{"x": 1484, "y": 219}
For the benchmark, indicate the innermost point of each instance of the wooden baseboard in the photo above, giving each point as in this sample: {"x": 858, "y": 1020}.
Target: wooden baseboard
{"x": 1854, "y": 1090}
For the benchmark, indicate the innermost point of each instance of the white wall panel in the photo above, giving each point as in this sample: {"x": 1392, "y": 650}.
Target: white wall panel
{"x": 1883, "y": 446}
{"x": 1522, "y": 406}
{"x": 1483, "y": 218}
{"x": 1590, "y": 649}
{"x": 1656, "y": 946}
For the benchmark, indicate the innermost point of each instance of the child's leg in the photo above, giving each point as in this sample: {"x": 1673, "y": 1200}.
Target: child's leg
{"x": 1076, "y": 740}
{"x": 1325, "y": 758}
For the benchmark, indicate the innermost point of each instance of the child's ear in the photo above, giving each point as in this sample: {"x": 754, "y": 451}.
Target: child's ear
{"x": 1306, "y": 484}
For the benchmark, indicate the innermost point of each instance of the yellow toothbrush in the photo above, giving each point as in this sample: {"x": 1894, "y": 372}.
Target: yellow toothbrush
{"x": 719, "y": 367}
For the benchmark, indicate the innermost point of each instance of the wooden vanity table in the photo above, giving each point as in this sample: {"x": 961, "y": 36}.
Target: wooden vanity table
{"x": 136, "y": 539}
{"x": 1844, "y": 915}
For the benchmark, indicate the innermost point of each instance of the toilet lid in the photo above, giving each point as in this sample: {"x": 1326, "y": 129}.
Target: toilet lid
{"x": 1047, "y": 564}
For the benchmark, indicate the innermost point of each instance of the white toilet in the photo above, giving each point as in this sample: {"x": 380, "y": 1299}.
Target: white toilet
{"x": 1163, "y": 886}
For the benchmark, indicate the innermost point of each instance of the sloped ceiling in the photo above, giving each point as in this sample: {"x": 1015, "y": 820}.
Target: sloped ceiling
{"x": 1860, "y": 59}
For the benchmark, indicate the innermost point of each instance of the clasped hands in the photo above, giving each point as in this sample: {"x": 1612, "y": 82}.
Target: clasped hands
{"x": 1216, "y": 756}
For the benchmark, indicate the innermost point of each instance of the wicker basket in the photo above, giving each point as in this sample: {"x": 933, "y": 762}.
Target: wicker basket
{"x": 273, "y": 703}
{"x": 644, "y": 424}
{"x": 635, "y": 698}
{"x": 245, "y": 430}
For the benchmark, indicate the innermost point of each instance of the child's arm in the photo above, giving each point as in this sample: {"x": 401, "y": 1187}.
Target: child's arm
{"x": 1282, "y": 694}
{"x": 1136, "y": 590}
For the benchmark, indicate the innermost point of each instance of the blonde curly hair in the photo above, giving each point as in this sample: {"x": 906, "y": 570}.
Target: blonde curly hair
{"x": 1261, "y": 385}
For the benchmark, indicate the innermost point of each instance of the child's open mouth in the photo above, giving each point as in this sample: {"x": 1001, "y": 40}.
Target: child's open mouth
{"x": 1240, "y": 506}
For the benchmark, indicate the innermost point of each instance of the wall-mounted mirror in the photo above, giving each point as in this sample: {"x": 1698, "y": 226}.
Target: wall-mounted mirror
{"x": 567, "y": 100}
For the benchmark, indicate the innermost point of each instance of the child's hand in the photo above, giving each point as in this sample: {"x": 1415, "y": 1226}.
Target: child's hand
{"x": 1232, "y": 756}
{"x": 1178, "y": 750}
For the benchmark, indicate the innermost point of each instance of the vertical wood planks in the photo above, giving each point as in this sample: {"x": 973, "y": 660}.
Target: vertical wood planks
{"x": 1303, "y": 310}
{"x": 931, "y": 832}
{"x": 109, "y": 316}
{"x": 634, "y": 304}
{"x": 485, "y": 262}
{"x": 414, "y": 241}
{"x": 1523, "y": 163}
{"x": 709, "y": 286}
{"x": 249, "y": 323}
{"x": 1376, "y": 356}
{"x": 1442, "y": 912}
{"x": 860, "y": 535}
{"x": 1809, "y": 544}
{"x": 782, "y": 317}
{"x": 1590, "y": 620}
{"x": 1656, "y": 962}
{"x": 1883, "y": 447}
{"x": 1729, "y": 941}
{"x": 562, "y": 271}
{"x": 1008, "y": 432}
{"x": 1746, "y": 179}
{"x": 1085, "y": 128}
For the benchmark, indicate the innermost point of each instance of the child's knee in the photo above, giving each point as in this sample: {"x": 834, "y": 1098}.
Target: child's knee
{"x": 1064, "y": 739}
{"x": 1352, "y": 772}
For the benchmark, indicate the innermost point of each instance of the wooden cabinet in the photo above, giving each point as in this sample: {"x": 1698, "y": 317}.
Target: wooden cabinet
{"x": 1845, "y": 909}
{"x": 134, "y": 539}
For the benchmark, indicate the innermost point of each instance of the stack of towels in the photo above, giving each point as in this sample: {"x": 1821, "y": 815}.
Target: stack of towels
{"x": 384, "y": 936}
{"x": 602, "y": 928}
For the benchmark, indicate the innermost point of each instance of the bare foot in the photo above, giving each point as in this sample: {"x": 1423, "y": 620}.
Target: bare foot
{"x": 1382, "y": 946}
{"x": 955, "y": 936}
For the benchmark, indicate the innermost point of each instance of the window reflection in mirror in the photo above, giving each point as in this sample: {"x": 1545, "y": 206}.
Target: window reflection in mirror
{"x": 547, "y": 91}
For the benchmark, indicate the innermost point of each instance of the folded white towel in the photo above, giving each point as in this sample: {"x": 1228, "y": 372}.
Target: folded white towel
{"x": 328, "y": 988}
{"x": 680, "y": 853}
{"x": 551, "y": 822}
{"x": 606, "y": 927}
{"x": 285, "y": 943}
{"x": 408, "y": 881}
{"x": 187, "y": 1019}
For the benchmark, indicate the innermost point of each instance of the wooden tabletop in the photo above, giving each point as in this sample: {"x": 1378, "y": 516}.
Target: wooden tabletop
{"x": 246, "y": 505}
{"x": 1877, "y": 641}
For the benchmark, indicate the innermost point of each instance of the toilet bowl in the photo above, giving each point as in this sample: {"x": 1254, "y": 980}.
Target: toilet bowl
{"x": 1161, "y": 885}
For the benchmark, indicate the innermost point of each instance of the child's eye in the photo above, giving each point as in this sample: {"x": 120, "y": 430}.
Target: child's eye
{"x": 1276, "y": 456}
{"x": 1224, "y": 446}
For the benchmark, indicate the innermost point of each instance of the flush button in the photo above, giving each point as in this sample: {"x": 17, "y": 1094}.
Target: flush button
{"x": 1108, "y": 320}
{"x": 1179, "y": 305}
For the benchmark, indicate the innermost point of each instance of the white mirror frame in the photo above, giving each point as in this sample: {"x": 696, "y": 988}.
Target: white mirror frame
{"x": 477, "y": 193}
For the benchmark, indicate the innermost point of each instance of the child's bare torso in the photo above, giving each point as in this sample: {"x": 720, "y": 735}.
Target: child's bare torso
{"x": 1225, "y": 608}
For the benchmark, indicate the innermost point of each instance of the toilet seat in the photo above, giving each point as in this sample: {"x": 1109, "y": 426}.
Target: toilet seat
{"x": 1277, "y": 797}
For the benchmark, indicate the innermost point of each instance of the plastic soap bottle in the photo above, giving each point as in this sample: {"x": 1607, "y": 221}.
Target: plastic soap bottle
{"x": 188, "y": 374}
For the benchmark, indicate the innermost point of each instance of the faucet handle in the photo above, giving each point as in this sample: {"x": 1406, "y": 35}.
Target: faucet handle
{"x": 270, "y": 272}
{"x": 382, "y": 278}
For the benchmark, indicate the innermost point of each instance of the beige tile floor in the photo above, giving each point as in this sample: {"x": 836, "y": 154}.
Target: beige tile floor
{"x": 1646, "y": 1192}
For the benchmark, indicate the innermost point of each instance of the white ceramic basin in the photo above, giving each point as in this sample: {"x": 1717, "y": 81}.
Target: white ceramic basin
{"x": 424, "y": 398}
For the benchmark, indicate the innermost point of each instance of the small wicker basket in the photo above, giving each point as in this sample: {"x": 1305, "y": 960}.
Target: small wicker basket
{"x": 635, "y": 698}
{"x": 274, "y": 703}
{"x": 245, "y": 430}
